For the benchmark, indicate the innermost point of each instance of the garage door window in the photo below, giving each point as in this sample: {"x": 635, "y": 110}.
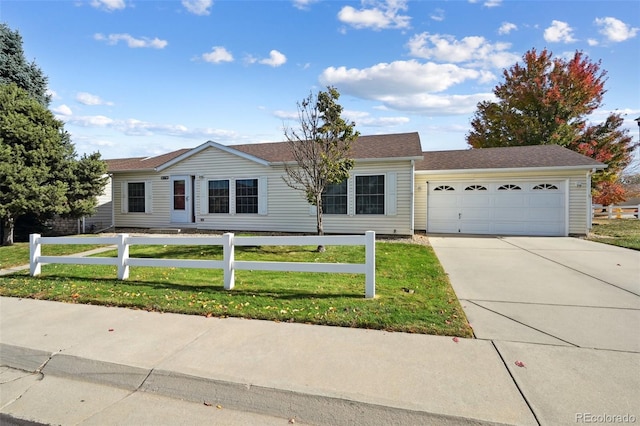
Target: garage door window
{"x": 444, "y": 188}
{"x": 475, "y": 188}
{"x": 509, "y": 187}
{"x": 545, "y": 187}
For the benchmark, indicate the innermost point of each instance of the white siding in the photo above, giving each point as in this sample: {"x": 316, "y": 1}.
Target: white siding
{"x": 578, "y": 197}
{"x": 286, "y": 210}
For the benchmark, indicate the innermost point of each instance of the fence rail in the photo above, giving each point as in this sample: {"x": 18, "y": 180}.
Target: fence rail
{"x": 615, "y": 212}
{"x": 228, "y": 264}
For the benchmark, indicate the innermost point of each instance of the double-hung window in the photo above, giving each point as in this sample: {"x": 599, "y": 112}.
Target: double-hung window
{"x": 219, "y": 196}
{"x": 246, "y": 196}
{"x": 136, "y": 197}
{"x": 334, "y": 198}
{"x": 370, "y": 194}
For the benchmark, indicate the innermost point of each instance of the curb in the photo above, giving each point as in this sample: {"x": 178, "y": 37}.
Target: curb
{"x": 304, "y": 407}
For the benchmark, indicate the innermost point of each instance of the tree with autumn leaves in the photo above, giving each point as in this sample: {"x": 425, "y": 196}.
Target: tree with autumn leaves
{"x": 548, "y": 100}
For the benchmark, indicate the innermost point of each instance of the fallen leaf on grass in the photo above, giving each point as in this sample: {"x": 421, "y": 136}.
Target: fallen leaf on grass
{"x": 520, "y": 364}
{"x": 219, "y": 407}
{"x": 208, "y": 404}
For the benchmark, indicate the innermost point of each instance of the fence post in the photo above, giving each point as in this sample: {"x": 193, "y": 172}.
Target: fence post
{"x": 34, "y": 254}
{"x": 370, "y": 261}
{"x": 228, "y": 258}
{"x": 123, "y": 257}
{"x": 609, "y": 211}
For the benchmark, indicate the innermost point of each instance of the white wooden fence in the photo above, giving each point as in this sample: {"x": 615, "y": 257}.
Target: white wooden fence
{"x": 615, "y": 212}
{"x": 228, "y": 264}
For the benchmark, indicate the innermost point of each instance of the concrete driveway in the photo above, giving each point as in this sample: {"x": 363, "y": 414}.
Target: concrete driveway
{"x": 557, "y": 291}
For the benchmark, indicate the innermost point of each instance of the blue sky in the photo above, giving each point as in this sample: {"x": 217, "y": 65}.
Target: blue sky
{"x": 138, "y": 77}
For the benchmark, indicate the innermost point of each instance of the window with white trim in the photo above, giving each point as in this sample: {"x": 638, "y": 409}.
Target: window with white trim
{"x": 136, "y": 197}
{"x": 370, "y": 194}
{"x": 444, "y": 188}
{"x": 334, "y": 198}
{"x": 246, "y": 196}
{"x": 219, "y": 196}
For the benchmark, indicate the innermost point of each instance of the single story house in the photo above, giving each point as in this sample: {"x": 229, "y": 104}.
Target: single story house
{"x": 394, "y": 188}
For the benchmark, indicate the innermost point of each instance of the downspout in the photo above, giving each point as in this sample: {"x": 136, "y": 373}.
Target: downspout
{"x": 113, "y": 204}
{"x": 413, "y": 196}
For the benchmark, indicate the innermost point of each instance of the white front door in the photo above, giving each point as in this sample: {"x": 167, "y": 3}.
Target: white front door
{"x": 181, "y": 201}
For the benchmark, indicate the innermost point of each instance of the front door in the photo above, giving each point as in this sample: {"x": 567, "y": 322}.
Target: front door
{"x": 181, "y": 199}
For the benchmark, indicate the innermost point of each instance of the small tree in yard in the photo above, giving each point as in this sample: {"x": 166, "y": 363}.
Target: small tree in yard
{"x": 320, "y": 147}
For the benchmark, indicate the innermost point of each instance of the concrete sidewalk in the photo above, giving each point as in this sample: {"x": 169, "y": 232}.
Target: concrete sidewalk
{"x": 313, "y": 374}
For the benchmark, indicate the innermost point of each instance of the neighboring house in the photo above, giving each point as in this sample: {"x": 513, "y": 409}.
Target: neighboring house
{"x": 394, "y": 188}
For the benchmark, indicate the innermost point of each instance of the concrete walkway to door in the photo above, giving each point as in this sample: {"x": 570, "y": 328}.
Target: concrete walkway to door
{"x": 568, "y": 309}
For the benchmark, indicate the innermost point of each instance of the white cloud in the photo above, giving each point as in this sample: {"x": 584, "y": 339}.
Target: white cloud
{"x": 198, "y": 7}
{"x": 472, "y": 50}
{"x": 382, "y": 15}
{"x": 218, "y": 54}
{"x": 437, "y": 15}
{"x": 507, "y": 27}
{"x": 559, "y": 32}
{"x": 275, "y": 59}
{"x": 364, "y": 119}
{"x": 400, "y": 78}
{"x": 492, "y": 3}
{"x": 303, "y": 4}
{"x": 131, "y": 41}
{"x": 91, "y": 121}
{"x": 109, "y": 5}
{"x": 409, "y": 86}
{"x": 62, "y": 110}
{"x": 615, "y": 30}
{"x": 89, "y": 99}
{"x": 592, "y": 42}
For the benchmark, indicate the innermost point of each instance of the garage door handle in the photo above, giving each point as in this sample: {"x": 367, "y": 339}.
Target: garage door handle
{"x": 459, "y": 215}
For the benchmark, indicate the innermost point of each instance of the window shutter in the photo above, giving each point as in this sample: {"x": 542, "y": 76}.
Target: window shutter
{"x": 391, "y": 194}
{"x": 148, "y": 197}
{"x": 351, "y": 196}
{"x": 262, "y": 196}
{"x": 204, "y": 196}
{"x": 124, "y": 204}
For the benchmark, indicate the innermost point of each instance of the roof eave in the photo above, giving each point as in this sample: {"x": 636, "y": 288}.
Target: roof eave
{"x": 512, "y": 169}
{"x": 361, "y": 160}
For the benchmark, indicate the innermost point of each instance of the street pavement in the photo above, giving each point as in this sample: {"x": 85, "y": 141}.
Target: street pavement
{"x": 80, "y": 364}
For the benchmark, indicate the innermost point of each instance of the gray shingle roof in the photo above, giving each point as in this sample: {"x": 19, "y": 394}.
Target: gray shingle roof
{"x": 533, "y": 156}
{"x": 402, "y": 145}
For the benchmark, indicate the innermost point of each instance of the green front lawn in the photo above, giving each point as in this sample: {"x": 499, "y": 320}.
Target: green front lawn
{"x": 18, "y": 254}
{"x": 413, "y": 294}
{"x": 619, "y": 232}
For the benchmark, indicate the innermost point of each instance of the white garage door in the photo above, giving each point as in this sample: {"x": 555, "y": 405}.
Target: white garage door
{"x": 497, "y": 208}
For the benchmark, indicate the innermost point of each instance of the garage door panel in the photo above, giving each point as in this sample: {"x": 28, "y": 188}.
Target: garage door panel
{"x": 475, "y": 200}
{"x": 510, "y": 200}
{"x": 511, "y": 213}
{"x": 546, "y": 200}
{"x": 472, "y": 227}
{"x": 507, "y": 208}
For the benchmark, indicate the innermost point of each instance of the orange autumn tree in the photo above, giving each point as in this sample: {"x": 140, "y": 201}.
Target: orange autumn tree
{"x": 547, "y": 100}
